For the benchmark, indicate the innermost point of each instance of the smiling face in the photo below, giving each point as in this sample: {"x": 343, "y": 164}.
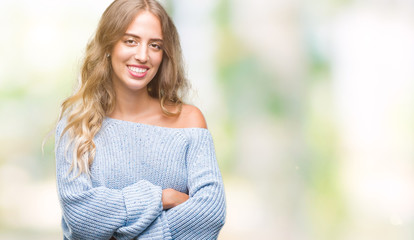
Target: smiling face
{"x": 136, "y": 57}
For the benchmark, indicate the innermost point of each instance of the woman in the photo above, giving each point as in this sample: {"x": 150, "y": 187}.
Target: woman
{"x": 133, "y": 161}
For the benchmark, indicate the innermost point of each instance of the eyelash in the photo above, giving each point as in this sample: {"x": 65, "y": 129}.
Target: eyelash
{"x": 130, "y": 41}
{"x": 156, "y": 46}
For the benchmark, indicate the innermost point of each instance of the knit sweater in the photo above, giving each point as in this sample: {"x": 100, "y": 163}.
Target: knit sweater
{"x": 132, "y": 164}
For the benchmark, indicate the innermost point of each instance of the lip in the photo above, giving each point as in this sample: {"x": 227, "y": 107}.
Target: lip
{"x": 135, "y": 74}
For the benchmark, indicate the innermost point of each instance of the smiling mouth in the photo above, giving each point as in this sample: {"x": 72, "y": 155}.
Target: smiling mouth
{"x": 137, "y": 69}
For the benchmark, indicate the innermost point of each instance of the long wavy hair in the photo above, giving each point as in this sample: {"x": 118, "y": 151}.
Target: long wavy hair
{"x": 95, "y": 97}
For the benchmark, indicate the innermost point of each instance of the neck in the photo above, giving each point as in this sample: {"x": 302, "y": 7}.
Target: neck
{"x": 131, "y": 106}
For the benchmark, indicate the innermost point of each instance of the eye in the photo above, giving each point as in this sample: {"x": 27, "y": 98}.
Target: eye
{"x": 155, "y": 46}
{"x": 130, "y": 42}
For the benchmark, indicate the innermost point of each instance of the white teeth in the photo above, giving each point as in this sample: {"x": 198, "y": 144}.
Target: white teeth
{"x": 137, "y": 70}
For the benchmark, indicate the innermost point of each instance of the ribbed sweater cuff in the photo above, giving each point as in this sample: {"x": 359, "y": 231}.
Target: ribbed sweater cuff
{"x": 142, "y": 199}
{"x": 165, "y": 226}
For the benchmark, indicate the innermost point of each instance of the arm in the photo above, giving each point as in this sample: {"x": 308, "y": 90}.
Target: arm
{"x": 203, "y": 214}
{"x": 98, "y": 212}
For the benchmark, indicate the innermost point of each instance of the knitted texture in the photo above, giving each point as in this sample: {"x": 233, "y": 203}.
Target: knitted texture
{"x": 133, "y": 163}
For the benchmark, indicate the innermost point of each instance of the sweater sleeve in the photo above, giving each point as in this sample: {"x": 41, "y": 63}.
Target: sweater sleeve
{"x": 203, "y": 215}
{"x": 99, "y": 212}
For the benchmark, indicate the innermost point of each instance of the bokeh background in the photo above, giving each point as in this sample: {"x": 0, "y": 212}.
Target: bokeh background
{"x": 310, "y": 104}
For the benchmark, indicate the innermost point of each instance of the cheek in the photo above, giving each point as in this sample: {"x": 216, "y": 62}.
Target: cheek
{"x": 119, "y": 54}
{"x": 157, "y": 59}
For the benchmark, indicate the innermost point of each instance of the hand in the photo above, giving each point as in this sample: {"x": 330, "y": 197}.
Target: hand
{"x": 172, "y": 198}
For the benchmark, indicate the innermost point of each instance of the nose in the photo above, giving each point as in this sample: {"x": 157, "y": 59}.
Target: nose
{"x": 142, "y": 53}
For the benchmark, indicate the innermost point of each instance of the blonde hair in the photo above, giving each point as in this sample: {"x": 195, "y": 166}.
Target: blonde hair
{"x": 95, "y": 96}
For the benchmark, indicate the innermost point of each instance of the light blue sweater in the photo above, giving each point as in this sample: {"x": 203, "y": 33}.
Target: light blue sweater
{"x": 133, "y": 163}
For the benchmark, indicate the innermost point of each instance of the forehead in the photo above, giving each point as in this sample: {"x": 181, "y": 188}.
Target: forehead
{"x": 145, "y": 25}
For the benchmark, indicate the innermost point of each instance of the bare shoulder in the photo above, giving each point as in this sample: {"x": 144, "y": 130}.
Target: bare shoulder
{"x": 192, "y": 117}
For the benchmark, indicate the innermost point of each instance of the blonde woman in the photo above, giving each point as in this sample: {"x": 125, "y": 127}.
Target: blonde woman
{"x": 133, "y": 161}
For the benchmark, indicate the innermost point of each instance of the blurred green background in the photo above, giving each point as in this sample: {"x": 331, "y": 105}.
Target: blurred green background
{"x": 310, "y": 104}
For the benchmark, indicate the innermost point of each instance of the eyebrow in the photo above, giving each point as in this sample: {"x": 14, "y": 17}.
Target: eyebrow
{"x": 135, "y": 36}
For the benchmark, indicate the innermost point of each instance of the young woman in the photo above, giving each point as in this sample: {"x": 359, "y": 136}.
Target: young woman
{"x": 133, "y": 161}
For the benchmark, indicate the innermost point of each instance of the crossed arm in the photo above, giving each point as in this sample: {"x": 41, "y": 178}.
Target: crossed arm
{"x": 143, "y": 209}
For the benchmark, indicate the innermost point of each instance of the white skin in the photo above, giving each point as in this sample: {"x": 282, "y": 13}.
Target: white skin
{"x": 135, "y": 60}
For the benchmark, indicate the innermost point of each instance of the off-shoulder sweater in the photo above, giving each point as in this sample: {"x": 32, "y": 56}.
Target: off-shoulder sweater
{"x": 122, "y": 195}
